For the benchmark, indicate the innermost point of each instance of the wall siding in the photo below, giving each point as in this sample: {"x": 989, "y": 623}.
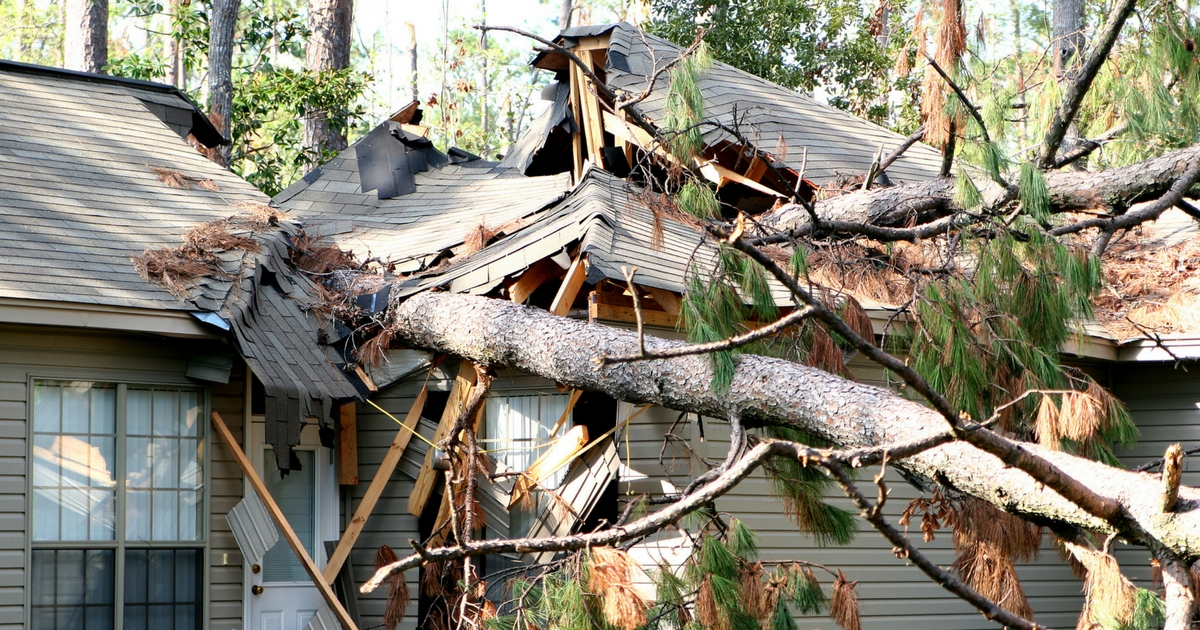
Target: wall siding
{"x": 27, "y": 351}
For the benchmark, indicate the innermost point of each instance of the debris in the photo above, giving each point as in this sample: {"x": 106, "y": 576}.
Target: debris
{"x": 176, "y": 179}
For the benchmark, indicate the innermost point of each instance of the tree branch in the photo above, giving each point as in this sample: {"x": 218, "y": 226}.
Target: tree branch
{"x": 912, "y": 139}
{"x": 904, "y": 549}
{"x": 1009, "y": 452}
{"x": 783, "y": 323}
{"x": 1083, "y": 82}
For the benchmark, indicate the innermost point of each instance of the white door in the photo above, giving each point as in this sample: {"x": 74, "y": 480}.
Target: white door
{"x": 279, "y": 594}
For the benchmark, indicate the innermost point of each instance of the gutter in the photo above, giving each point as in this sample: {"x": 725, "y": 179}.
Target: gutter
{"x": 179, "y": 324}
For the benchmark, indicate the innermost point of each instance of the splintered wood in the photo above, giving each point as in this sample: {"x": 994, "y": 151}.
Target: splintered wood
{"x": 428, "y": 478}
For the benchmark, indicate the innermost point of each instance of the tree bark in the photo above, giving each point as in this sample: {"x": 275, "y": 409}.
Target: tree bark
{"x": 328, "y": 48}
{"x": 1068, "y": 34}
{"x": 222, "y": 26}
{"x": 564, "y": 15}
{"x": 1179, "y": 595}
{"x": 774, "y": 391}
{"x": 1112, "y": 191}
{"x": 86, "y": 37}
{"x": 412, "y": 57}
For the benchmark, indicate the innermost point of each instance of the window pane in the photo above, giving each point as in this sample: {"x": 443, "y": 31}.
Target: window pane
{"x": 162, "y": 589}
{"x": 164, "y": 454}
{"x": 73, "y": 461}
{"x": 72, "y": 589}
{"x": 519, "y": 427}
{"x": 296, "y": 497}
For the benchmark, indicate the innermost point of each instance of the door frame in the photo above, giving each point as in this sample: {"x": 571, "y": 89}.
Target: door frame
{"x": 326, "y": 509}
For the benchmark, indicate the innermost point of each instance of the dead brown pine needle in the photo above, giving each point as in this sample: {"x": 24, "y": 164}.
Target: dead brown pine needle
{"x": 398, "y": 598}
{"x": 843, "y": 603}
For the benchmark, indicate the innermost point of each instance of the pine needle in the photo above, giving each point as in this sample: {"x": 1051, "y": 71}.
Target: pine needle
{"x": 1033, "y": 194}
{"x": 623, "y": 607}
{"x": 171, "y": 177}
{"x": 398, "y": 598}
{"x": 756, "y": 599}
{"x": 706, "y": 606}
{"x": 1110, "y": 598}
{"x": 804, "y": 590}
{"x": 1046, "y": 425}
{"x": 843, "y": 604}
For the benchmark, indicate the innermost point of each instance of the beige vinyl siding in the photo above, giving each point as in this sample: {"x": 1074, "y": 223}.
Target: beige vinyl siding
{"x": 31, "y": 351}
{"x": 1165, "y": 404}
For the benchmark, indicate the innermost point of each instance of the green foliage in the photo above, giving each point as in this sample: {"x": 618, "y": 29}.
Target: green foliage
{"x": 698, "y": 200}
{"x": 1033, "y": 195}
{"x": 493, "y": 82}
{"x": 802, "y": 489}
{"x": 268, "y": 113}
{"x": 685, "y": 105}
{"x": 799, "y": 44}
{"x": 742, "y": 540}
{"x": 804, "y": 592}
{"x": 711, "y": 311}
{"x": 1149, "y": 611}
{"x": 782, "y": 618}
{"x": 966, "y": 194}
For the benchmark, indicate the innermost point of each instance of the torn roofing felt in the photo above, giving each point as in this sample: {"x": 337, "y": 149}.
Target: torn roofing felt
{"x": 779, "y": 120}
{"x": 411, "y": 231}
{"x": 269, "y": 305}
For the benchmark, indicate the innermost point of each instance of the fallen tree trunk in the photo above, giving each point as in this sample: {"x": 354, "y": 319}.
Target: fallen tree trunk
{"x": 1112, "y": 191}
{"x": 774, "y": 391}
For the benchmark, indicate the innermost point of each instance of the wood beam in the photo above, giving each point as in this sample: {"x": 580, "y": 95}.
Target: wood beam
{"x": 619, "y": 308}
{"x": 375, "y": 490}
{"x": 565, "y": 297}
{"x": 666, "y": 299}
{"x": 538, "y": 274}
{"x": 591, "y": 112}
{"x": 348, "y": 446}
{"x": 428, "y": 477}
{"x": 577, "y": 137}
{"x": 281, "y": 522}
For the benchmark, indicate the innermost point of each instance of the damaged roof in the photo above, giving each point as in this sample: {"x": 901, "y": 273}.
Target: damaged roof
{"x": 446, "y": 204}
{"x": 97, "y": 173}
{"x": 779, "y": 120}
{"x": 79, "y": 194}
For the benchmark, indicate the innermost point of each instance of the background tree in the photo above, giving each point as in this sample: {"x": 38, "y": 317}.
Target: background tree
{"x": 86, "y": 41}
{"x": 327, "y": 48}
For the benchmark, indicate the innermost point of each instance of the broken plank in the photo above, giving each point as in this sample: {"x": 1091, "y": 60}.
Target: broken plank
{"x": 720, "y": 175}
{"x": 281, "y": 522}
{"x": 591, "y": 43}
{"x": 575, "y": 394}
{"x": 565, "y": 297}
{"x": 666, "y": 299}
{"x": 577, "y": 137}
{"x": 375, "y": 490}
{"x": 560, "y": 454}
{"x": 348, "y": 445}
{"x": 591, "y": 112}
{"x": 616, "y": 308}
{"x": 535, "y": 276}
{"x": 423, "y": 488}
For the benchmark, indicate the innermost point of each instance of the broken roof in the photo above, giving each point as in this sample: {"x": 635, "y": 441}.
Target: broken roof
{"x": 97, "y": 173}
{"x": 79, "y": 195}
{"x": 447, "y": 203}
{"x": 781, "y": 121}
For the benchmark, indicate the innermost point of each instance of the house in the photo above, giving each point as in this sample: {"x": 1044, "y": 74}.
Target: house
{"x": 108, "y": 375}
{"x": 114, "y": 492}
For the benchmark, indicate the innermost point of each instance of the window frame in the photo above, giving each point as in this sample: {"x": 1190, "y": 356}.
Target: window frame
{"x": 122, "y": 380}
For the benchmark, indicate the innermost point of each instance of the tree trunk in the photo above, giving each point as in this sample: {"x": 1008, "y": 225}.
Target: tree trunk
{"x": 1179, "y": 595}
{"x": 328, "y": 48}
{"x": 174, "y": 48}
{"x": 774, "y": 391}
{"x": 222, "y": 26}
{"x": 412, "y": 57}
{"x": 564, "y": 15}
{"x": 1113, "y": 191}
{"x": 485, "y": 115}
{"x": 86, "y": 36}
{"x": 1068, "y": 34}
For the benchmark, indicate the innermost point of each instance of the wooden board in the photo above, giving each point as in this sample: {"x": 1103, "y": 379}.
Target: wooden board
{"x": 375, "y": 490}
{"x": 281, "y": 522}
{"x": 426, "y": 481}
{"x": 577, "y": 137}
{"x": 576, "y": 274}
{"x": 666, "y": 299}
{"x": 618, "y": 308}
{"x": 591, "y": 111}
{"x": 348, "y": 445}
{"x": 538, "y": 274}
{"x": 560, "y": 454}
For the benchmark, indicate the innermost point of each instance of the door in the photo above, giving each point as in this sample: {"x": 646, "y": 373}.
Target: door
{"x": 279, "y": 594}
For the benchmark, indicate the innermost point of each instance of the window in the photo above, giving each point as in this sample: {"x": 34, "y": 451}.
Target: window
{"x": 118, "y": 505}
